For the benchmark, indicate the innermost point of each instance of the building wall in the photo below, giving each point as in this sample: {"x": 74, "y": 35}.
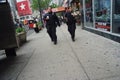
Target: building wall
{"x": 66, "y": 3}
{"x": 99, "y": 18}
{"x": 55, "y": 1}
{"x": 60, "y": 2}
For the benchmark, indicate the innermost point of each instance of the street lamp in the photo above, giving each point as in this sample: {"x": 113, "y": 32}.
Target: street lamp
{"x": 40, "y": 12}
{"x": 68, "y": 3}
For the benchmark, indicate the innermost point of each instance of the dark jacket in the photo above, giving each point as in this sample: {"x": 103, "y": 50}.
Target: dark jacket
{"x": 70, "y": 19}
{"x": 52, "y": 21}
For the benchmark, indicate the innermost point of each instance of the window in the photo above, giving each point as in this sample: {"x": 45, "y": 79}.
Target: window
{"x": 102, "y": 14}
{"x": 88, "y": 13}
{"x": 116, "y": 16}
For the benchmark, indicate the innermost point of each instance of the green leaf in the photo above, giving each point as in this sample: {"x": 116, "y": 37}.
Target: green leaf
{"x": 53, "y": 5}
{"x": 19, "y": 30}
{"x": 39, "y": 23}
{"x": 36, "y": 4}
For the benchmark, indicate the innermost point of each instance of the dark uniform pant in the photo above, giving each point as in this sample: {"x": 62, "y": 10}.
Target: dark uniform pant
{"x": 71, "y": 29}
{"x": 51, "y": 30}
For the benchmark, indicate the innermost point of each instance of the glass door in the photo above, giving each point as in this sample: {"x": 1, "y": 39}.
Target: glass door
{"x": 88, "y": 13}
{"x": 102, "y": 14}
{"x": 116, "y": 17}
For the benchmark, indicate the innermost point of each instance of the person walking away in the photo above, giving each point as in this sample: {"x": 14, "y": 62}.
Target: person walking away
{"x": 71, "y": 22}
{"x": 36, "y": 26}
{"x": 51, "y": 23}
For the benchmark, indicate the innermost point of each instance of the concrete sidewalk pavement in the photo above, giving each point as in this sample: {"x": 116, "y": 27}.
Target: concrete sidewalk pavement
{"x": 90, "y": 57}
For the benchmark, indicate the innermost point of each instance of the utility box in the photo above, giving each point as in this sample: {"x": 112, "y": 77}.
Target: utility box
{"x": 7, "y": 29}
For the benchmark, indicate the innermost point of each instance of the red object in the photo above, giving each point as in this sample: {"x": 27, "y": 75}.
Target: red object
{"x": 58, "y": 9}
{"x": 103, "y": 26}
{"x": 23, "y": 7}
{"x": 31, "y": 23}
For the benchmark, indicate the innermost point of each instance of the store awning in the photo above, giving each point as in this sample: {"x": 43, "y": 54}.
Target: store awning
{"x": 58, "y": 9}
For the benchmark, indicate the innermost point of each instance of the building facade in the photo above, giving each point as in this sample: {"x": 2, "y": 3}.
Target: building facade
{"x": 60, "y": 2}
{"x": 13, "y": 8}
{"x": 102, "y": 17}
{"x": 55, "y": 1}
{"x": 66, "y": 3}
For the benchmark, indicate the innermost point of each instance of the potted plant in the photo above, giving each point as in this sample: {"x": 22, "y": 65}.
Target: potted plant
{"x": 20, "y": 36}
{"x": 40, "y": 25}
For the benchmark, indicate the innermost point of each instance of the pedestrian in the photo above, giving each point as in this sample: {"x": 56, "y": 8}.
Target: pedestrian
{"x": 35, "y": 26}
{"x": 51, "y": 21}
{"x": 71, "y": 22}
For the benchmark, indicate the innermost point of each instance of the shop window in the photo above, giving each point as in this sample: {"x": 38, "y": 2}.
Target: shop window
{"x": 88, "y": 13}
{"x": 116, "y": 16}
{"x": 102, "y": 14}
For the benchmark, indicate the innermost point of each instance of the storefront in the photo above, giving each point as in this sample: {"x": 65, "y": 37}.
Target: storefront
{"x": 102, "y": 17}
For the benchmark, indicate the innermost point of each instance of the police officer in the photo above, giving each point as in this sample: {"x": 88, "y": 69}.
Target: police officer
{"x": 51, "y": 21}
{"x": 71, "y": 22}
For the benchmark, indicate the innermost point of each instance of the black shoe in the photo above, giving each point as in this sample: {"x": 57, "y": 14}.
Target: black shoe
{"x": 55, "y": 42}
{"x": 73, "y": 39}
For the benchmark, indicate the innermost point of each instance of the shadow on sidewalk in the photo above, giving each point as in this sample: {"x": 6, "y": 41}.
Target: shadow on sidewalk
{"x": 10, "y": 67}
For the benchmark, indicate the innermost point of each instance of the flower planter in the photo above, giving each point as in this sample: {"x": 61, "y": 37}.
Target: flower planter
{"x": 21, "y": 38}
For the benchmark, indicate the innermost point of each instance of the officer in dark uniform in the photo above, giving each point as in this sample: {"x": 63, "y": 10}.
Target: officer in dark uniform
{"x": 71, "y": 22}
{"x": 51, "y": 21}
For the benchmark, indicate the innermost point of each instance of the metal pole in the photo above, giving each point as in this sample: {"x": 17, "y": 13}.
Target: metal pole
{"x": 40, "y": 12}
{"x": 82, "y": 13}
{"x": 68, "y": 3}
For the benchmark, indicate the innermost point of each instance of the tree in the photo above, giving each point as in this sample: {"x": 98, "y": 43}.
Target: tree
{"x": 40, "y": 4}
{"x": 53, "y": 5}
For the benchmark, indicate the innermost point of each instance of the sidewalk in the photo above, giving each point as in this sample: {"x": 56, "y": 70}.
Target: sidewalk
{"x": 90, "y": 57}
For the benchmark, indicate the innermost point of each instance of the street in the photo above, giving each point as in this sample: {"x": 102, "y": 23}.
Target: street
{"x": 90, "y": 57}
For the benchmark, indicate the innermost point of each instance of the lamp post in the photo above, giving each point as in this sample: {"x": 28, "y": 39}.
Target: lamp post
{"x": 68, "y": 3}
{"x": 40, "y": 12}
